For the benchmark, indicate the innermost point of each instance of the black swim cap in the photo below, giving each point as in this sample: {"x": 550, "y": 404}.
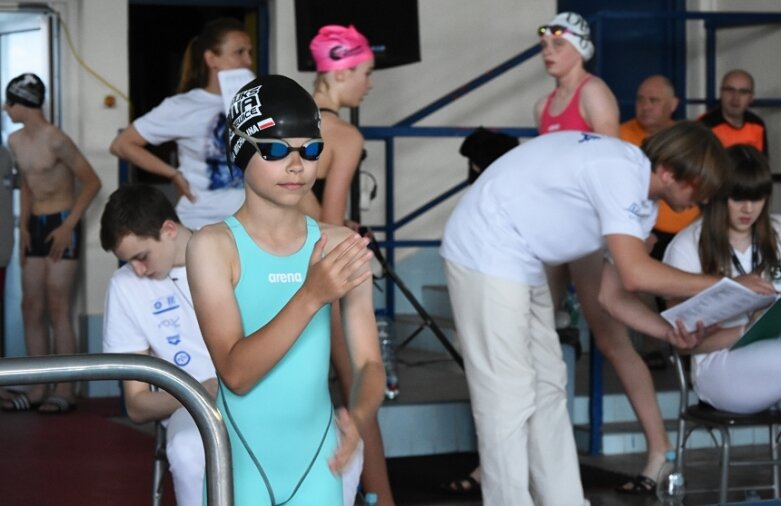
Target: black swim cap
{"x": 272, "y": 106}
{"x": 26, "y": 89}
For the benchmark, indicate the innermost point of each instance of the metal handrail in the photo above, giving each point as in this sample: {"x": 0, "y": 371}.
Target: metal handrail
{"x": 116, "y": 366}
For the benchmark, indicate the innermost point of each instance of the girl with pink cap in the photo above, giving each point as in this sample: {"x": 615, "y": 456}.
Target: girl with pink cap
{"x": 344, "y": 62}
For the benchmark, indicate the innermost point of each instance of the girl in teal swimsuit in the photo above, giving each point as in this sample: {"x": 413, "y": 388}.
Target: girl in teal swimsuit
{"x": 262, "y": 284}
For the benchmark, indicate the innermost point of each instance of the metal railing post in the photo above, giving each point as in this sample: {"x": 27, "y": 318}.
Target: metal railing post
{"x": 110, "y": 366}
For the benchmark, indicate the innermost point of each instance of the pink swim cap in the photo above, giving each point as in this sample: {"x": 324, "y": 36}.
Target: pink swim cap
{"x": 337, "y": 47}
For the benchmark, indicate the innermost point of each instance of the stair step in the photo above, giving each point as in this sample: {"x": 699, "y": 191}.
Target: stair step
{"x": 432, "y": 414}
{"x": 426, "y": 427}
{"x": 405, "y": 325}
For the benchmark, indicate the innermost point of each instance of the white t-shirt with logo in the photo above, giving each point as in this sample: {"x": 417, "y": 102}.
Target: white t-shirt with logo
{"x": 196, "y": 121}
{"x": 157, "y": 315}
{"x": 551, "y": 200}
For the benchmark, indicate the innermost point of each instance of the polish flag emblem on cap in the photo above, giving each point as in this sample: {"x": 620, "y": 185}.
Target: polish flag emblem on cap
{"x": 266, "y": 123}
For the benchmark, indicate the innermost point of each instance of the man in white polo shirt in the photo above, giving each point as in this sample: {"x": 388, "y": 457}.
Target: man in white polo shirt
{"x": 552, "y": 200}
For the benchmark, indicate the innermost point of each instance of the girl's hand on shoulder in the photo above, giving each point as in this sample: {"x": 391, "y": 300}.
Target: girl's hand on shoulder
{"x": 333, "y": 274}
{"x": 348, "y": 442}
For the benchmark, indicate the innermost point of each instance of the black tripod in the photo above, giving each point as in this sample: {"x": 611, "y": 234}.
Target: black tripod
{"x": 428, "y": 321}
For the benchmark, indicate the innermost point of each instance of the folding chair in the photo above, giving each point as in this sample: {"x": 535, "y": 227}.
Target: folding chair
{"x": 700, "y": 415}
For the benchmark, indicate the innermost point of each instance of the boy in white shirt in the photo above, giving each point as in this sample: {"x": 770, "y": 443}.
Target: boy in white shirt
{"x": 149, "y": 311}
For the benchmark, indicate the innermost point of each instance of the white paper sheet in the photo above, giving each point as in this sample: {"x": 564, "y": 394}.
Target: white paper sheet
{"x": 231, "y": 81}
{"x": 722, "y": 301}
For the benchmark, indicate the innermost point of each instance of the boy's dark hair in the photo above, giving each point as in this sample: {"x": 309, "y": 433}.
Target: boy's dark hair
{"x": 136, "y": 209}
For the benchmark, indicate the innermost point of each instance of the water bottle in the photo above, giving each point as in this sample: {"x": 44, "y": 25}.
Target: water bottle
{"x": 572, "y": 307}
{"x": 577, "y": 321}
{"x": 389, "y": 359}
{"x": 370, "y": 499}
{"x": 670, "y": 487}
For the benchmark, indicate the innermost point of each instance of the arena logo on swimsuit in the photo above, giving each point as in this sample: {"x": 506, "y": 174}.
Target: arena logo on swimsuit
{"x": 285, "y": 277}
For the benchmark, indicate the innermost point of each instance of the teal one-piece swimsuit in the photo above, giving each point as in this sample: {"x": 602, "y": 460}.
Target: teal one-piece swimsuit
{"x": 282, "y": 431}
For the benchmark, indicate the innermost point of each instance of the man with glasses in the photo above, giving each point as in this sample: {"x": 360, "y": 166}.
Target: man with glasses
{"x": 731, "y": 120}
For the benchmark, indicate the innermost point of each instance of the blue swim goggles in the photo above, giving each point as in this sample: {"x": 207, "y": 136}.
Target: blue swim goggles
{"x": 277, "y": 149}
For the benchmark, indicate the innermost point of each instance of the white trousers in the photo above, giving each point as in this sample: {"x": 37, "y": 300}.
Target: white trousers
{"x": 745, "y": 380}
{"x": 517, "y": 382}
{"x": 186, "y": 458}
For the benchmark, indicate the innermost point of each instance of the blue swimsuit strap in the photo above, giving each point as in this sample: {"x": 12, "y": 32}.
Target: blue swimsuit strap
{"x": 257, "y": 463}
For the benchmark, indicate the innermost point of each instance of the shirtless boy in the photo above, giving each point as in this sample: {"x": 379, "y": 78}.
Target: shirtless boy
{"x": 51, "y": 209}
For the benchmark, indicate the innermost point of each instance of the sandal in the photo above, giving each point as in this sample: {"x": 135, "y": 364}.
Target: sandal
{"x": 56, "y": 405}
{"x": 462, "y": 486}
{"x": 20, "y": 402}
{"x": 8, "y": 394}
{"x": 639, "y": 485}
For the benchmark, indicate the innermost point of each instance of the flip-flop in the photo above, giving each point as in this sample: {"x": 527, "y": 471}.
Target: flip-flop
{"x": 19, "y": 403}
{"x": 56, "y": 405}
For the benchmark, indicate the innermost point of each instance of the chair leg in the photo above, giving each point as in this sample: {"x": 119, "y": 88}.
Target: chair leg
{"x": 160, "y": 465}
{"x": 725, "y": 452}
{"x": 680, "y": 444}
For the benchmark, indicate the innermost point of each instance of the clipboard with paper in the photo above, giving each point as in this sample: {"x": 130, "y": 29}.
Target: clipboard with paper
{"x": 767, "y": 326}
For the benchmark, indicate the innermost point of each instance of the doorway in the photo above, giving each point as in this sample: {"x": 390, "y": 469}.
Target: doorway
{"x": 156, "y": 50}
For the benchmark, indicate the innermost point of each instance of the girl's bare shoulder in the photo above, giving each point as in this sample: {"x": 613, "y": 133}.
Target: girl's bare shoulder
{"x": 212, "y": 238}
